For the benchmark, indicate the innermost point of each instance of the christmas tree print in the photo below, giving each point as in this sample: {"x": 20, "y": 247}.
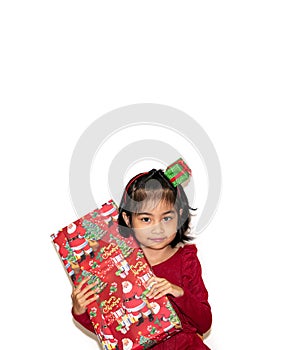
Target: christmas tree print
{"x": 146, "y": 342}
{"x": 125, "y": 248}
{"x": 99, "y": 255}
{"x": 100, "y": 286}
{"x": 94, "y": 214}
{"x": 71, "y": 256}
{"x": 173, "y": 317}
{"x": 152, "y": 329}
{"x": 93, "y": 264}
{"x": 93, "y": 231}
{"x": 158, "y": 322}
{"x": 139, "y": 255}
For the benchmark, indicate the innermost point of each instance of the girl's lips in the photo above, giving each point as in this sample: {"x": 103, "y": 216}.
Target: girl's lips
{"x": 160, "y": 239}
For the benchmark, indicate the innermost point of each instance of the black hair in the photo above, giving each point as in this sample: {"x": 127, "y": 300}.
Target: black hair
{"x": 153, "y": 187}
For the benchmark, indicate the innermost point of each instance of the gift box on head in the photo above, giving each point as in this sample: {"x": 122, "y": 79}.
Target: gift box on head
{"x": 178, "y": 173}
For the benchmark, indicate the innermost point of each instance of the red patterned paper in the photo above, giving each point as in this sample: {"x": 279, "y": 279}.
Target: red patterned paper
{"x": 92, "y": 246}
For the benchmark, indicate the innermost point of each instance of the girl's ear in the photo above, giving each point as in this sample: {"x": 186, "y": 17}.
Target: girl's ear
{"x": 126, "y": 219}
{"x": 181, "y": 212}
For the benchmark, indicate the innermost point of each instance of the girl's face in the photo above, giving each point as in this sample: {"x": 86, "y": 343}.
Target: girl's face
{"x": 155, "y": 227}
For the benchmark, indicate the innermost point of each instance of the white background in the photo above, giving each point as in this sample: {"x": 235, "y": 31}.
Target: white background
{"x": 225, "y": 63}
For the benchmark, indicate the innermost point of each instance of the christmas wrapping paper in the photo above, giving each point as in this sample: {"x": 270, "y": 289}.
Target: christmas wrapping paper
{"x": 178, "y": 173}
{"x": 123, "y": 317}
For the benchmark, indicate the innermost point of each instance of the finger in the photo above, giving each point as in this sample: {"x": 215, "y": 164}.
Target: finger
{"x": 160, "y": 294}
{"x": 85, "y": 290}
{"x": 151, "y": 280}
{"x": 154, "y": 279}
{"x": 89, "y": 293}
{"x": 82, "y": 299}
{"x": 162, "y": 290}
{"x": 162, "y": 287}
{"x": 91, "y": 300}
{"x": 158, "y": 285}
{"x": 151, "y": 283}
{"x": 162, "y": 284}
{"x": 89, "y": 287}
{"x": 79, "y": 286}
{"x": 152, "y": 293}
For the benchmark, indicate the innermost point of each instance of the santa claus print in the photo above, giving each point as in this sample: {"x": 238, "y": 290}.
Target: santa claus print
{"x": 133, "y": 303}
{"x": 164, "y": 316}
{"x": 109, "y": 212}
{"x": 127, "y": 344}
{"x": 75, "y": 234}
{"x": 64, "y": 254}
{"x": 60, "y": 243}
{"x": 108, "y": 339}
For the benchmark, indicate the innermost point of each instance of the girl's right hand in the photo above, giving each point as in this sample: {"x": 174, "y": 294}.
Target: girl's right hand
{"x": 81, "y": 298}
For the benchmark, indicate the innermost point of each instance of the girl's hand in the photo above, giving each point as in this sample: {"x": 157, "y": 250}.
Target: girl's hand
{"x": 160, "y": 287}
{"x": 82, "y": 298}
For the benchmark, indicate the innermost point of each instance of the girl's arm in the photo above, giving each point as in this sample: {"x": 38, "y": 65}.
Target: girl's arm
{"x": 81, "y": 298}
{"x": 84, "y": 320}
{"x": 194, "y": 303}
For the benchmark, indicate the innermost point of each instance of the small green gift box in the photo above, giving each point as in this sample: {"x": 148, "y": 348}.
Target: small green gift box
{"x": 178, "y": 172}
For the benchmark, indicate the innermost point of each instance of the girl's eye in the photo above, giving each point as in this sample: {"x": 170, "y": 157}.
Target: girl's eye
{"x": 168, "y": 218}
{"x": 145, "y": 219}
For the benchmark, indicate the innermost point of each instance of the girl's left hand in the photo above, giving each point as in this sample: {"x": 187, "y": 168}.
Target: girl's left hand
{"x": 160, "y": 287}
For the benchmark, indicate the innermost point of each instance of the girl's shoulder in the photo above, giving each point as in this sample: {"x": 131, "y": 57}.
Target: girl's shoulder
{"x": 189, "y": 259}
{"x": 186, "y": 254}
{"x": 188, "y": 249}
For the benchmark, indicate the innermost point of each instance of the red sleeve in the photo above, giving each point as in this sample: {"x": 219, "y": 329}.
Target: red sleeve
{"x": 194, "y": 303}
{"x": 84, "y": 320}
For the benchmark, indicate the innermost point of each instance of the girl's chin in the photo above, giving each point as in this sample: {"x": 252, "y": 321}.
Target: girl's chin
{"x": 158, "y": 243}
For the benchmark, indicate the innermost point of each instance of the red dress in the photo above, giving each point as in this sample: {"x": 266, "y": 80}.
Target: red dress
{"x": 193, "y": 309}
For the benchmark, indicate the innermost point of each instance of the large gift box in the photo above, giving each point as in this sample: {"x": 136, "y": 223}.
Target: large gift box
{"x": 123, "y": 317}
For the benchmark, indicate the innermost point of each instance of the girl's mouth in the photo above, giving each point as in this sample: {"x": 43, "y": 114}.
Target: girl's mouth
{"x": 158, "y": 239}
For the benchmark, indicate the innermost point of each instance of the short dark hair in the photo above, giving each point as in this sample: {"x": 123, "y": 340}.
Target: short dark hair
{"x": 153, "y": 187}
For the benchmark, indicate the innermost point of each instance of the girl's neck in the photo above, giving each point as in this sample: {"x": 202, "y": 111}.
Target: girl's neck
{"x": 157, "y": 256}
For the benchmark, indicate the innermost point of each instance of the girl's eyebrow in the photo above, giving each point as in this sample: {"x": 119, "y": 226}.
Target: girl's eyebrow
{"x": 168, "y": 212}
{"x": 144, "y": 213}
{"x": 149, "y": 214}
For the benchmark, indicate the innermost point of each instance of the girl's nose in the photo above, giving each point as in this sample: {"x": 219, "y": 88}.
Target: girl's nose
{"x": 158, "y": 228}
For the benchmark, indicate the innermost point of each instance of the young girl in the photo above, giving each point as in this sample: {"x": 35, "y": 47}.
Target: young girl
{"x": 157, "y": 215}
